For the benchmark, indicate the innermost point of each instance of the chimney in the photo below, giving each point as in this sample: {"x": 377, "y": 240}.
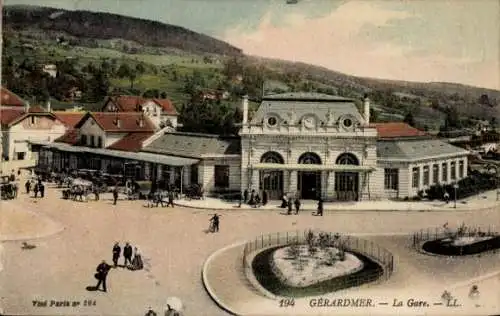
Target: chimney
{"x": 27, "y": 107}
{"x": 49, "y": 107}
{"x": 118, "y": 122}
{"x": 245, "y": 110}
{"x": 141, "y": 122}
{"x": 366, "y": 104}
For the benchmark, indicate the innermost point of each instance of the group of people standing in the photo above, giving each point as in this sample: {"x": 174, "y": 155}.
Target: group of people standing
{"x": 132, "y": 261}
{"x": 37, "y": 186}
{"x": 157, "y": 198}
{"x": 254, "y": 199}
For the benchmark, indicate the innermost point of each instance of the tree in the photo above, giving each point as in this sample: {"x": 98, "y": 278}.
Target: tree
{"x": 126, "y": 72}
{"x": 373, "y": 115}
{"x": 452, "y": 120}
{"x": 140, "y": 68}
{"x": 484, "y": 100}
{"x": 151, "y": 93}
{"x": 409, "y": 119}
{"x": 204, "y": 116}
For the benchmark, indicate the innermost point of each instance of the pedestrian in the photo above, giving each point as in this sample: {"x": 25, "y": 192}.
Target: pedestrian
{"x": 150, "y": 312}
{"x": 297, "y": 205}
{"x": 320, "y": 207}
{"x": 245, "y": 196}
{"x": 127, "y": 254}
{"x": 284, "y": 202}
{"x": 116, "y": 253}
{"x": 18, "y": 172}
{"x": 115, "y": 195}
{"x": 240, "y": 199}
{"x": 251, "y": 201}
{"x": 215, "y": 223}
{"x": 27, "y": 185}
{"x": 170, "y": 199}
{"x": 264, "y": 198}
{"x": 101, "y": 275}
{"x": 289, "y": 210}
{"x": 137, "y": 263}
{"x": 446, "y": 197}
{"x": 96, "y": 192}
{"x": 35, "y": 190}
{"x": 159, "y": 199}
{"x": 42, "y": 190}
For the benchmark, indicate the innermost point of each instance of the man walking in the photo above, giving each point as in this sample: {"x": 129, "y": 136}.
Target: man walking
{"x": 115, "y": 195}
{"x": 170, "y": 199}
{"x": 102, "y": 274}
{"x": 159, "y": 199}
{"x": 320, "y": 207}
{"x": 289, "y": 207}
{"x": 27, "y": 185}
{"x": 116, "y": 253}
{"x": 127, "y": 254}
{"x": 297, "y": 206}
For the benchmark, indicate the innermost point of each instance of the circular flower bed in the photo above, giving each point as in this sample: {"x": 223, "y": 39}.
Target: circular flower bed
{"x": 460, "y": 246}
{"x": 329, "y": 271}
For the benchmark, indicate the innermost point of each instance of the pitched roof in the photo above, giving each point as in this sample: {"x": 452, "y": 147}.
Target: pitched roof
{"x": 166, "y": 105}
{"x": 130, "y": 103}
{"x": 9, "y": 98}
{"x": 293, "y": 106}
{"x": 396, "y": 130}
{"x": 131, "y": 142}
{"x": 128, "y": 121}
{"x": 194, "y": 145}
{"x": 70, "y": 119}
{"x": 8, "y": 116}
{"x": 415, "y": 149}
{"x": 70, "y": 137}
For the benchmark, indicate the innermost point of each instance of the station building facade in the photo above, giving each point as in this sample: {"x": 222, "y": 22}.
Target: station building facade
{"x": 308, "y": 145}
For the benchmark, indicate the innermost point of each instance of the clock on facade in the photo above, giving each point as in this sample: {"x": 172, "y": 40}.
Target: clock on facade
{"x": 309, "y": 122}
{"x": 272, "y": 121}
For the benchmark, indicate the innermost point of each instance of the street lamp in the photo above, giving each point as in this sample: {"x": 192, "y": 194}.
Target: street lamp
{"x": 455, "y": 186}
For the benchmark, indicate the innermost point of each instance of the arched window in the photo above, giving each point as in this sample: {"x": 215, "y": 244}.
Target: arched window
{"x": 347, "y": 159}
{"x": 272, "y": 157}
{"x": 310, "y": 158}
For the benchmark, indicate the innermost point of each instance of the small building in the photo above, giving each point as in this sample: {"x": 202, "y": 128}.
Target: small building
{"x": 22, "y": 126}
{"x": 161, "y": 112}
{"x": 51, "y": 69}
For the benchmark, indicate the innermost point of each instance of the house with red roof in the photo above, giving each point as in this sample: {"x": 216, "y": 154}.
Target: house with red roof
{"x": 161, "y": 112}
{"x": 9, "y": 99}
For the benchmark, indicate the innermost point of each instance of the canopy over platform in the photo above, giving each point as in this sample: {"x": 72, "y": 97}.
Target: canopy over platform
{"x": 312, "y": 167}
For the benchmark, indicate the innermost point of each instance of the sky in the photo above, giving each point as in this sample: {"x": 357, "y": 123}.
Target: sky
{"x": 417, "y": 40}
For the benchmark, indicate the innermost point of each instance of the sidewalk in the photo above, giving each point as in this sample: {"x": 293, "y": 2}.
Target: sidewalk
{"x": 482, "y": 201}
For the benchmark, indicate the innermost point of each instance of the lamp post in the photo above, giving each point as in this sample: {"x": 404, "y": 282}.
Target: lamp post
{"x": 455, "y": 187}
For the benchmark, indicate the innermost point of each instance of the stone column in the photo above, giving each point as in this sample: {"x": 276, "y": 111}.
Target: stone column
{"x": 172, "y": 175}
{"x": 324, "y": 180}
{"x": 158, "y": 172}
{"x": 147, "y": 170}
{"x": 254, "y": 184}
{"x": 330, "y": 185}
{"x": 292, "y": 188}
{"x": 186, "y": 181}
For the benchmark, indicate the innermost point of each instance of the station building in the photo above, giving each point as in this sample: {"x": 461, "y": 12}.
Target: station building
{"x": 304, "y": 144}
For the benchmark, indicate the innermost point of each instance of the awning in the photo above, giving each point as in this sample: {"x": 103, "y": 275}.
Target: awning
{"x": 312, "y": 167}
{"x": 142, "y": 156}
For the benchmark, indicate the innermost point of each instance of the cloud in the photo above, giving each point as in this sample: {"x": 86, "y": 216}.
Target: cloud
{"x": 369, "y": 39}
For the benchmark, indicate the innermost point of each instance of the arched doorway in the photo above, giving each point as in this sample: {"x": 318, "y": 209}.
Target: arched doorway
{"x": 271, "y": 181}
{"x": 309, "y": 182}
{"x": 347, "y": 182}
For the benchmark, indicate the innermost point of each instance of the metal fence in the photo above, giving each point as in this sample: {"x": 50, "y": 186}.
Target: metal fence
{"x": 428, "y": 234}
{"x": 349, "y": 243}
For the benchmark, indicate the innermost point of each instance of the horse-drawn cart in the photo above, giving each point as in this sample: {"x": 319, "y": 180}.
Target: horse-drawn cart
{"x": 79, "y": 189}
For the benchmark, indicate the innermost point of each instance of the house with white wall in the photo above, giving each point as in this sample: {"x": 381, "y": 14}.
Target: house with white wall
{"x": 161, "y": 112}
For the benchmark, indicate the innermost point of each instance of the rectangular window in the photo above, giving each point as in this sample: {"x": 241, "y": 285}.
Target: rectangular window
{"x": 391, "y": 178}
{"x": 33, "y": 120}
{"x": 92, "y": 141}
{"x": 426, "y": 175}
{"x": 84, "y": 140}
{"x": 221, "y": 176}
{"x": 453, "y": 170}
{"x": 99, "y": 141}
{"x": 444, "y": 166}
{"x": 416, "y": 177}
{"x": 435, "y": 174}
{"x": 20, "y": 155}
{"x": 461, "y": 169}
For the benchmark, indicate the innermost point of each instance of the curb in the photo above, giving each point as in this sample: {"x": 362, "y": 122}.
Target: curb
{"x": 235, "y": 208}
{"x": 206, "y": 283}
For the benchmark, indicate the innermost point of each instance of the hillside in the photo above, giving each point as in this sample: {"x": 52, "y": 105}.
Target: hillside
{"x": 98, "y": 25}
{"x": 98, "y": 48}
